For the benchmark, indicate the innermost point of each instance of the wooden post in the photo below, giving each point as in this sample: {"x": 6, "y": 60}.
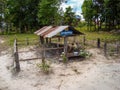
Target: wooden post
{"x": 16, "y": 56}
{"x": 41, "y": 40}
{"x": 105, "y": 48}
{"x": 43, "y": 54}
{"x": 27, "y": 41}
{"x": 50, "y": 40}
{"x": 43, "y": 50}
{"x": 98, "y": 43}
{"x": 58, "y": 46}
{"x": 84, "y": 40}
{"x": 58, "y": 39}
{"x": 46, "y": 40}
{"x": 65, "y": 47}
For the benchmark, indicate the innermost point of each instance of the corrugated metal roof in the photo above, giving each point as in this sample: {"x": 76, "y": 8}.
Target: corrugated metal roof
{"x": 42, "y": 30}
{"x": 50, "y": 31}
{"x": 56, "y": 31}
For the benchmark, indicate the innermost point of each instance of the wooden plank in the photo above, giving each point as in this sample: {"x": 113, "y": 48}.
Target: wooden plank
{"x": 30, "y": 59}
{"x": 42, "y": 49}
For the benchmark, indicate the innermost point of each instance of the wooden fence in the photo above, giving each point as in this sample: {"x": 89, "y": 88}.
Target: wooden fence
{"x": 109, "y": 48}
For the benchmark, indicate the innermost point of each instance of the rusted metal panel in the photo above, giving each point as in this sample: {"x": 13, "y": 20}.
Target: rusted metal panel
{"x": 56, "y": 31}
{"x": 40, "y": 30}
{"x": 49, "y": 31}
{"x": 44, "y": 30}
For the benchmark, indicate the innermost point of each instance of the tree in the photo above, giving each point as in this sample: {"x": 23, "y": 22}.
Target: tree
{"x": 48, "y": 12}
{"x": 102, "y": 11}
{"x": 69, "y": 16}
{"x": 2, "y": 12}
{"x": 23, "y": 14}
{"x": 88, "y": 12}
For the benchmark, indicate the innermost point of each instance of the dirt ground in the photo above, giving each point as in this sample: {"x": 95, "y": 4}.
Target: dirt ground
{"x": 95, "y": 73}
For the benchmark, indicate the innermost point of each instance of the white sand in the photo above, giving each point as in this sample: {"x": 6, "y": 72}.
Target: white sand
{"x": 97, "y": 73}
{"x": 1, "y": 41}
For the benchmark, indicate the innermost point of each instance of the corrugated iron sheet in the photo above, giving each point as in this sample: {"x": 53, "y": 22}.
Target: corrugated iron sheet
{"x": 43, "y": 30}
{"x": 50, "y": 31}
{"x": 56, "y": 31}
{"x": 40, "y": 30}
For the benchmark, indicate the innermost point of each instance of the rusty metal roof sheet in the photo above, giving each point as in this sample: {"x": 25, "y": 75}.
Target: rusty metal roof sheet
{"x": 42, "y": 30}
{"x": 55, "y": 31}
{"x": 50, "y": 31}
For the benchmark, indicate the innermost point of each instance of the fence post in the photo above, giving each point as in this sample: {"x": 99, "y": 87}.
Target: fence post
{"x": 105, "y": 48}
{"x": 16, "y": 56}
{"x": 84, "y": 40}
{"x": 98, "y": 43}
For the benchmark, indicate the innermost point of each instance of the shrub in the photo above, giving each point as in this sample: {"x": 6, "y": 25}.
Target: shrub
{"x": 85, "y": 54}
{"x": 64, "y": 57}
{"x": 45, "y": 67}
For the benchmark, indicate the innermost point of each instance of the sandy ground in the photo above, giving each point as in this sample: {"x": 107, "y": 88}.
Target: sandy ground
{"x": 95, "y": 73}
{"x": 1, "y": 40}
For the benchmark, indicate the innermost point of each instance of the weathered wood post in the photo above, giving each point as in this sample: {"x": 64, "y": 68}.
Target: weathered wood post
{"x": 43, "y": 49}
{"x": 46, "y": 40}
{"x": 105, "y": 48}
{"x": 65, "y": 48}
{"x": 58, "y": 50}
{"x": 41, "y": 40}
{"x": 84, "y": 40}
{"x": 50, "y": 40}
{"x": 98, "y": 43}
{"x": 27, "y": 41}
{"x": 58, "y": 39}
{"x": 16, "y": 56}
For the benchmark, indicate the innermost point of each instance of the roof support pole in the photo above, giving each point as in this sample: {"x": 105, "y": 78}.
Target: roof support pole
{"x": 46, "y": 40}
{"x": 65, "y": 47}
{"x": 41, "y": 40}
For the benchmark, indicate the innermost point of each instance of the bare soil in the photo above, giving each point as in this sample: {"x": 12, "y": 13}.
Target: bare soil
{"x": 94, "y": 73}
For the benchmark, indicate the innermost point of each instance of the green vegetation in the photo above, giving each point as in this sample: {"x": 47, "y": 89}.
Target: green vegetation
{"x": 47, "y": 13}
{"x": 9, "y": 39}
{"x": 64, "y": 58}
{"x": 44, "y": 67}
{"x": 102, "y": 13}
{"x": 101, "y": 34}
{"x": 85, "y": 54}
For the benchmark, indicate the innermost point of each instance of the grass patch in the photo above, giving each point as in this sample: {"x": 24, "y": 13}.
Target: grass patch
{"x": 9, "y": 39}
{"x": 105, "y": 36}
